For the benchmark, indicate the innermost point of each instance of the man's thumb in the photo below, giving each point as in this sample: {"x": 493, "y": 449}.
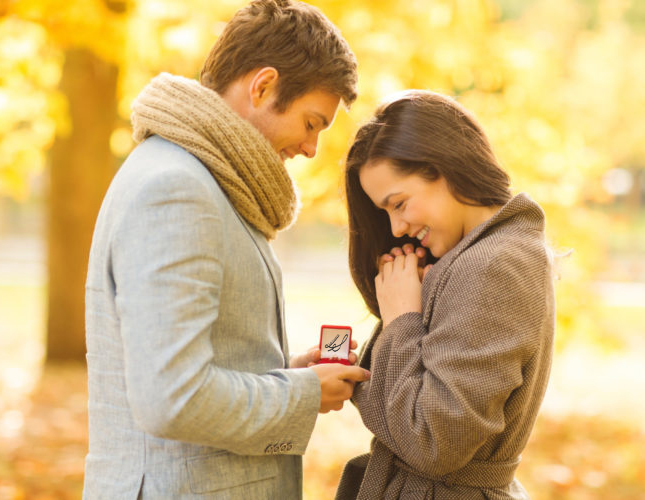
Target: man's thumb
{"x": 356, "y": 374}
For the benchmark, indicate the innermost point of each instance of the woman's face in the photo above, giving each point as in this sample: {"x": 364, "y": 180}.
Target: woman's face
{"x": 417, "y": 207}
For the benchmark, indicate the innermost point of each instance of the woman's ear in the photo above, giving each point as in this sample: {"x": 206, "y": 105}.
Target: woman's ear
{"x": 263, "y": 85}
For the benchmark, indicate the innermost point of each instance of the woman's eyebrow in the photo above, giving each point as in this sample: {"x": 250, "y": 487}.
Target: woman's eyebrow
{"x": 386, "y": 200}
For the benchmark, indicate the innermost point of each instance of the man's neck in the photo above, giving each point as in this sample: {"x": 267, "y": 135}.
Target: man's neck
{"x": 237, "y": 98}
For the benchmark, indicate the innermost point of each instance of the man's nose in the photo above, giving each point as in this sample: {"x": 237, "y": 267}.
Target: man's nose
{"x": 309, "y": 146}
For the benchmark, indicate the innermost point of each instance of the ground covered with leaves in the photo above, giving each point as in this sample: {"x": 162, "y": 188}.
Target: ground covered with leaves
{"x": 44, "y": 439}
{"x": 43, "y": 442}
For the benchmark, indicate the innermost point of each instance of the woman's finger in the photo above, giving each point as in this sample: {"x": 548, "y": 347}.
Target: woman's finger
{"x": 399, "y": 263}
{"x": 382, "y": 260}
{"x": 411, "y": 262}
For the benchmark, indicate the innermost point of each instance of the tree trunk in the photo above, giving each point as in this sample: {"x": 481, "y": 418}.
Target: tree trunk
{"x": 81, "y": 169}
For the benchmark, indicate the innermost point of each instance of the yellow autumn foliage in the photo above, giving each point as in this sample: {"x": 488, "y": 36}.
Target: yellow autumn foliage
{"x": 559, "y": 88}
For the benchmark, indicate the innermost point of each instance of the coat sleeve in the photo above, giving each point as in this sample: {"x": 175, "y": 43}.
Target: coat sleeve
{"x": 436, "y": 395}
{"x": 167, "y": 271}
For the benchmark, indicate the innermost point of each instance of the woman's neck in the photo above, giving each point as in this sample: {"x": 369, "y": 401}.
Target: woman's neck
{"x": 476, "y": 215}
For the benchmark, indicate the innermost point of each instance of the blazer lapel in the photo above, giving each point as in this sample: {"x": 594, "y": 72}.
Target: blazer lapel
{"x": 276, "y": 275}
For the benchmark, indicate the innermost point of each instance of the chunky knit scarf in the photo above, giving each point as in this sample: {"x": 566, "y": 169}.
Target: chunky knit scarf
{"x": 239, "y": 157}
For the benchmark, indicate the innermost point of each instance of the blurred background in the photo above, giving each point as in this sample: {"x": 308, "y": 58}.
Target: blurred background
{"x": 559, "y": 86}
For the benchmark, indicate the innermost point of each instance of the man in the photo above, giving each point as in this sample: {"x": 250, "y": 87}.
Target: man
{"x": 190, "y": 394}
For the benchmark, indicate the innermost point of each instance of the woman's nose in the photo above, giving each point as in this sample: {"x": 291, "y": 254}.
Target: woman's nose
{"x": 399, "y": 226}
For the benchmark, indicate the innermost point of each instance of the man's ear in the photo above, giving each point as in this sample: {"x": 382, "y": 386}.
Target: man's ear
{"x": 263, "y": 85}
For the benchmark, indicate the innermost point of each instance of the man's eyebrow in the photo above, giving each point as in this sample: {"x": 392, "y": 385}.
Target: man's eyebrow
{"x": 322, "y": 118}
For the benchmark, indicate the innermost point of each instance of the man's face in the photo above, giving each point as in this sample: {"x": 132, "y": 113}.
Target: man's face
{"x": 295, "y": 131}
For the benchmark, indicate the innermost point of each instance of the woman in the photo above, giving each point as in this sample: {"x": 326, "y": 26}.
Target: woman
{"x": 461, "y": 357}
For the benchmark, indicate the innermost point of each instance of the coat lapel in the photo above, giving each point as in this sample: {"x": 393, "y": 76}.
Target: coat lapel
{"x": 439, "y": 274}
{"x": 365, "y": 356}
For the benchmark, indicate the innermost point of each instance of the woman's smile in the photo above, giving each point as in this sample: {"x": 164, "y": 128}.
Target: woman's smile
{"x": 422, "y": 234}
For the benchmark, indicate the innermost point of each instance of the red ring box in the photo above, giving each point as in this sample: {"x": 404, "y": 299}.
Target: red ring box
{"x": 335, "y": 344}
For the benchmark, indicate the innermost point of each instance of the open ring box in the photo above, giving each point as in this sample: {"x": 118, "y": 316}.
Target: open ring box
{"x": 335, "y": 343}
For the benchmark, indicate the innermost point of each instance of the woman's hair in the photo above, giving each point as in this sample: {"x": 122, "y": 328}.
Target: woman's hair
{"x": 423, "y": 133}
{"x": 308, "y": 51}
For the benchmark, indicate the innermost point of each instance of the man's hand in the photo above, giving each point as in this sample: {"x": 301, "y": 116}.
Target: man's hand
{"x": 312, "y": 356}
{"x": 337, "y": 384}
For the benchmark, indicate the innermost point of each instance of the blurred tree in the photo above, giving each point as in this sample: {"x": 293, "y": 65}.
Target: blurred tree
{"x": 543, "y": 76}
{"x": 90, "y": 36}
{"x": 82, "y": 167}
{"x": 545, "y": 79}
{"x": 110, "y": 49}
{"x": 31, "y": 109}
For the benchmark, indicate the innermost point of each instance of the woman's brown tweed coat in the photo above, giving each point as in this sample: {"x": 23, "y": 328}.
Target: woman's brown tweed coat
{"x": 455, "y": 390}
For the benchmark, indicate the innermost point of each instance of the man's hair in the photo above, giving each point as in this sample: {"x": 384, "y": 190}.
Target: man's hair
{"x": 296, "y": 39}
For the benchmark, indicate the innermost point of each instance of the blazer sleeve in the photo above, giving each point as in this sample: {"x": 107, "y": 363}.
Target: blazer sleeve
{"x": 167, "y": 273}
{"x": 436, "y": 395}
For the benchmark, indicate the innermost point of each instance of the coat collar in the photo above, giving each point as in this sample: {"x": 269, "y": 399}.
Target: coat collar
{"x": 520, "y": 208}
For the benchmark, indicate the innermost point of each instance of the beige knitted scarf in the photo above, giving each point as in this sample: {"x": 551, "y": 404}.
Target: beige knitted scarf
{"x": 239, "y": 157}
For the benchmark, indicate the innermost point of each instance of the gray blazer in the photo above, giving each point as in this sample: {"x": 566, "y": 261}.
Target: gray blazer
{"x": 455, "y": 390}
{"x": 186, "y": 347}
